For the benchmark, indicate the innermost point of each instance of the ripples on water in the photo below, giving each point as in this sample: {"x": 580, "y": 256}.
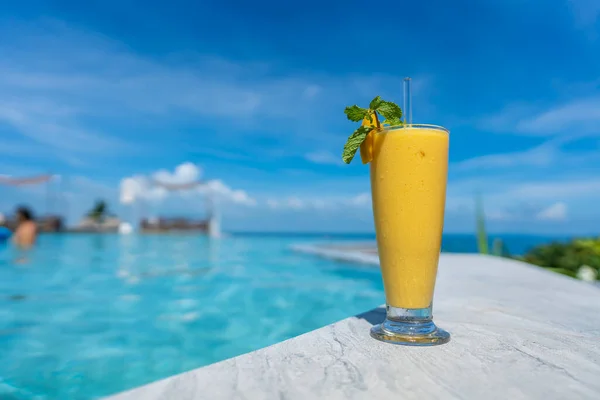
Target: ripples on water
{"x": 84, "y": 316}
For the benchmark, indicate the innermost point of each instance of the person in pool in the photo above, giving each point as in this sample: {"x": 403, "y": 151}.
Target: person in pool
{"x": 5, "y": 233}
{"x": 26, "y": 232}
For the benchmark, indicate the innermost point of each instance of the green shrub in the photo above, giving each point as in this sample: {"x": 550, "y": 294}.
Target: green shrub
{"x": 482, "y": 238}
{"x": 566, "y": 258}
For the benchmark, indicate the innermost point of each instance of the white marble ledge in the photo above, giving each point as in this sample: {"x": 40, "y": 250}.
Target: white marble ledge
{"x": 347, "y": 252}
{"x": 518, "y": 332}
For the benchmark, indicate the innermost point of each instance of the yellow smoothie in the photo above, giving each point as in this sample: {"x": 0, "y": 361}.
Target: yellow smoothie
{"x": 408, "y": 182}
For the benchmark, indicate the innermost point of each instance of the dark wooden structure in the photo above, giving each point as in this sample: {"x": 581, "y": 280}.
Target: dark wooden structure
{"x": 173, "y": 225}
{"x": 47, "y": 224}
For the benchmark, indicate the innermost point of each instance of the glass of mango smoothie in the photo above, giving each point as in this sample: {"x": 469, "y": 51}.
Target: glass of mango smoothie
{"x": 408, "y": 170}
{"x": 408, "y": 185}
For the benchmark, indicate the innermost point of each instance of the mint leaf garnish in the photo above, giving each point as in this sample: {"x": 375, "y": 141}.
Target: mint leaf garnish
{"x": 392, "y": 121}
{"x": 356, "y": 113}
{"x": 375, "y": 103}
{"x": 354, "y": 142}
{"x": 388, "y": 110}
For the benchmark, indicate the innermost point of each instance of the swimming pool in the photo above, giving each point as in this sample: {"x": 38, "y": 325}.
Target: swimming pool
{"x": 83, "y": 316}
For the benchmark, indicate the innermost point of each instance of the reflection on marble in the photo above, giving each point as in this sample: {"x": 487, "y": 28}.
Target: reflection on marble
{"x": 518, "y": 332}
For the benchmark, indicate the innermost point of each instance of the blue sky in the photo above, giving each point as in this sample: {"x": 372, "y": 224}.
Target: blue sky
{"x": 252, "y": 93}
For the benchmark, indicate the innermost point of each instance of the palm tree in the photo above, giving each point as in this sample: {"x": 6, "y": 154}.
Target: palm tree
{"x": 99, "y": 211}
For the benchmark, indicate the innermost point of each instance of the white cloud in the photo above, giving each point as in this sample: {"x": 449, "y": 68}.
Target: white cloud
{"x": 303, "y": 203}
{"x": 578, "y": 117}
{"x": 272, "y": 203}
{"x": 538, "y": 156}
{"x": 323, "y": 157}
{"x": 555, "y": 212}
{"x": 514, "y": 198}
{"x": 139, "y": 187}
{"x": 225, "y": 192}
{"x": 362, "y": 199}
{"x": 241, "y": 197}
{"x": 566, "y": 189}
{"x": 546, "y": 155}
{"x": 504, "y": 191}
{"x": 155, "y": 188}
{"x": 295, "y": 203}
{"x": 24, "y": 149}
{"x": 582, "y": 115}
{"x": 184, "y": 173}
{"x": 48, "y": 125}
{"x": 319, "y": 204}
{"x": 507, "y": 197}
{"x": 58, "y": 83}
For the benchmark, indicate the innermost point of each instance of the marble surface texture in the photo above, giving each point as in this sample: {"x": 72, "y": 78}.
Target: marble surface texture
{"x": 518, "y": 332}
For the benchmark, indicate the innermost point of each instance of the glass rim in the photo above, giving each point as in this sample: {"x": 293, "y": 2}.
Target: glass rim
{"x": 427, "y": 126}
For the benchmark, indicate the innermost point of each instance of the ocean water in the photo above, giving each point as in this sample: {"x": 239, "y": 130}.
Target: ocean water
{"x": 452, "y": 243}
{"x": 84, "y": 316}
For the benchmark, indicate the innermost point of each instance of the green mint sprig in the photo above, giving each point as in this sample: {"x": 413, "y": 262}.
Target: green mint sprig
{"x": 378, "y": 107}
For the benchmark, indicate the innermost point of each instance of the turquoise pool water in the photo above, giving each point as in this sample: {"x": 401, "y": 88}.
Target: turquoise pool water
{"x": 83, "y": 316}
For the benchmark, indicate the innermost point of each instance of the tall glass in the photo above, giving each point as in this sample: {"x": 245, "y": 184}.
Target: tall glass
{"x": 408, "y": 183}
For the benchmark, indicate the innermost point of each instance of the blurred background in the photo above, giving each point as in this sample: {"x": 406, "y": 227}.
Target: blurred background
{"x": 224, "y": 119}
{"x": 252, "y": 95}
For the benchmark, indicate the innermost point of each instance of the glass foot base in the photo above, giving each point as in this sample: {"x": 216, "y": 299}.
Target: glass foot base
{"x": 409, "y": 327}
